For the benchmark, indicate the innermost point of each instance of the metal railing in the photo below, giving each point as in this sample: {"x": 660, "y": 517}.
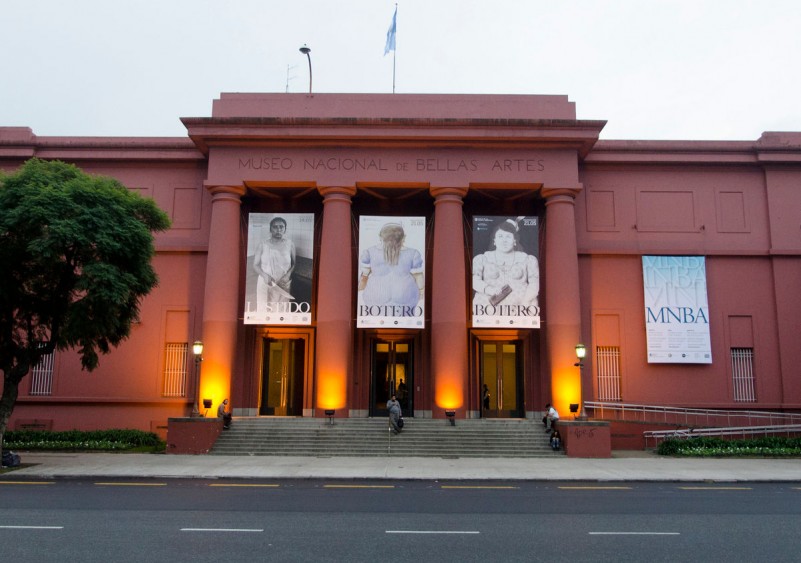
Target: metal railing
{"x": 690, "y": 416}
{"x": 741, "y": 432}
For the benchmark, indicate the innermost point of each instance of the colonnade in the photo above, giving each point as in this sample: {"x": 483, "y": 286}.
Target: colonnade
{"x": 449, "y": 316}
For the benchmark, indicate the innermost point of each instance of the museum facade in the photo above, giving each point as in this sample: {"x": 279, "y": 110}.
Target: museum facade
{"x": 331, "y": 250}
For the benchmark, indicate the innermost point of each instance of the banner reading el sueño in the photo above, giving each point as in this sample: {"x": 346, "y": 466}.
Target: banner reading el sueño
{"x": 676, "y": 310}
{"x": 391, "y": 277}
{"x": 280, "y": 254}
{"x": 506, "y": 272}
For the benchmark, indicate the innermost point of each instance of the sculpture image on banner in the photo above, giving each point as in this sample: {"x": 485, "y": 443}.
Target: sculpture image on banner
{"x": 676, "y": 310}
{"x": 280, "y": 254}
{"x": 506, "y": 272}
{"x": 391, "y": 279}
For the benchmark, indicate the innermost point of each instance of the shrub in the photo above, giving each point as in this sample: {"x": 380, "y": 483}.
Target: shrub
{"x": 719, "y": 447}
{"x": 120, "y": 439}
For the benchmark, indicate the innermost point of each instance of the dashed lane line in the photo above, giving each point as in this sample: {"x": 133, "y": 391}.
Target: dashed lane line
{"x": 249, "y": 530}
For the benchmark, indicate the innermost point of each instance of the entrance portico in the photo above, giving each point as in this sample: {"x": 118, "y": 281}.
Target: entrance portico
{"x": 339, "y": 160}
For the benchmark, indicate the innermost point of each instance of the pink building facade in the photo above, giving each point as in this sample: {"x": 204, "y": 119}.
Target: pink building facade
{"x": 677, "y": 264}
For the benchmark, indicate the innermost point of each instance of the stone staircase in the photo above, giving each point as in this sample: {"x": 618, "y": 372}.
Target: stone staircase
{"x": 495, "y": 438}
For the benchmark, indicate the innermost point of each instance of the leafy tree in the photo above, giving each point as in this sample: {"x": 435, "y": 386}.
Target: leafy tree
{"x": 75, "y": 263}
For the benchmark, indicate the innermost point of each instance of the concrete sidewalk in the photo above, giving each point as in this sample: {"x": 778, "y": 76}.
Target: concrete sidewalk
{"x": 624, "y": 466}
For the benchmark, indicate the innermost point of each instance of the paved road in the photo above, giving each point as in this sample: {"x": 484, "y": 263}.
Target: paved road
{"x": 345, "y": 520}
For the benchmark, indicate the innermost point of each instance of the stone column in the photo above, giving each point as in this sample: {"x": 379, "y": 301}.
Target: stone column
{"x": 221, "y": 295}
{"x": 334, "y": 351}
{"x": 562, "y": 299}
{"x": 448, "y": 303}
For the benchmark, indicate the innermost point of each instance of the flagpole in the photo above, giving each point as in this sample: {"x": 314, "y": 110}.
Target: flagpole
{"x": 394, "y": 45}
{"x": 390, "y": 46}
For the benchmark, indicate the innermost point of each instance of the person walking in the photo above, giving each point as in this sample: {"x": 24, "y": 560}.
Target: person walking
{"x": 394, "y": 408}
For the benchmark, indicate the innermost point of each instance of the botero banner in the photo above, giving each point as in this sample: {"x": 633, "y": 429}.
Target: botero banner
{"x": 676, "y": 310}
{"x": 506, "y": 272}
{"x": 279, "y": 268}
{"x": 391, "y": 279}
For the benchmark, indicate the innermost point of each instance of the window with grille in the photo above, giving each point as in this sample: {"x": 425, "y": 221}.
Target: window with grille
{"x": 742, "y": 372}
{"x": 607, "y": 361}
{"x": 175, "y": 369}
{"x": 42, "y": 375}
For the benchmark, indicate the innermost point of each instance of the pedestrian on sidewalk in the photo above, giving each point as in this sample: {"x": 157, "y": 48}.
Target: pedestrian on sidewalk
{"x": 551, "y": 418}
{"x": 223, "y": 413}
{"x": 394, "y": 408}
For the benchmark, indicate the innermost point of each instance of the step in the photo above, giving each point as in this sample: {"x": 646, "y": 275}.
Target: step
{"x": 321, "y": 437}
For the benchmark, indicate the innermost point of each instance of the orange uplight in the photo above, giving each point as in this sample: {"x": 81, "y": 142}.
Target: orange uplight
{"x": 331, "y": 391}
{"x": 565, "y": 389}
{"x": 214, "y": 385}
{"x": 448, "y": 394}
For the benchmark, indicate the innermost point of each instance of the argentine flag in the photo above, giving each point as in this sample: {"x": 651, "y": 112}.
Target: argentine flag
{"x": 390, "y": 46}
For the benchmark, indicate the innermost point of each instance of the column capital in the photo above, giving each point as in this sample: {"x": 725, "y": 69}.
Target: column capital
{"x": 444, "y": 193}
{"x": 337, "y": 192}
{"x": 221, "y": 191}
{"x": 552, "y": 193}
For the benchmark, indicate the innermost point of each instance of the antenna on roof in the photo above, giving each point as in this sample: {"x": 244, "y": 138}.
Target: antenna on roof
{"x": 288, "y": 77}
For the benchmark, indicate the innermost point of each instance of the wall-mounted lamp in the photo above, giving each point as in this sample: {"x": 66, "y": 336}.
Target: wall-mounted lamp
{"x": 451, "y": 417}
{"x": 581, "y": 353}
{"x": 197, "y": 350}
{"x": 330, "y": 414}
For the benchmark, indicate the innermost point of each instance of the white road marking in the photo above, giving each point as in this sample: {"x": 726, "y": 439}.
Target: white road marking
{"x": 634, "y": 533}
{"x": 430, "y": 532}
{"x": 220, "y": 530}
{"x": 32, "y": 527}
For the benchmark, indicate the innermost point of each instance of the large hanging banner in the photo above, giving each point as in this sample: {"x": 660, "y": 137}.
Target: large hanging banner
{"x": 391, "y": 280}
{"x": 506, "y": 272}
{"x": 676, "y": 310}
{"x": 280, "y": 254}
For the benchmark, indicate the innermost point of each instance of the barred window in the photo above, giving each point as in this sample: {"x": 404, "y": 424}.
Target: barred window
{"x": 42, "y": 375}
{"x": 175, "y": 369}
{"x": 742, "y": 372}
{"x": 607, "y": 360}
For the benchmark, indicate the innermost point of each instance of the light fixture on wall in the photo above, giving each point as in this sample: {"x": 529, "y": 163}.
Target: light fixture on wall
{"x": 197, "y": 350}
{"x": 581, "y": 353}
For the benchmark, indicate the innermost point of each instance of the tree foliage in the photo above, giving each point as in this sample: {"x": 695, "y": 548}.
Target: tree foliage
{"x": 75, "y": 257}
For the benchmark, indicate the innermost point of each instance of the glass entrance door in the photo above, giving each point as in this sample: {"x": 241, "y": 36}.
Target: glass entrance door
{"x": 501, "y": 380}
{"x": 392, "y": 371}
{"x": 282, "y": 377}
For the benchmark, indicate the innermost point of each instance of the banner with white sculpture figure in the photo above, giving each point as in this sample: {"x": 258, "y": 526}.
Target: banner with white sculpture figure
{"x": 391, "y": 272}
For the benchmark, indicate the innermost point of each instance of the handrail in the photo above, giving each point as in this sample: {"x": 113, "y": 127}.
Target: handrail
{"x": 687, "y": 433}
{"x": 693, "y": 416}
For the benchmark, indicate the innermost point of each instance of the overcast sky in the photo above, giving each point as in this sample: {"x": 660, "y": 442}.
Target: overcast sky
{"x": 681, "y": 69}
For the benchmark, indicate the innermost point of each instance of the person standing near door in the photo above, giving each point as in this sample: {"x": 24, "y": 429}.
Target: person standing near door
{"x": 394, "y": 408}
{"x": 485, "y": 397}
